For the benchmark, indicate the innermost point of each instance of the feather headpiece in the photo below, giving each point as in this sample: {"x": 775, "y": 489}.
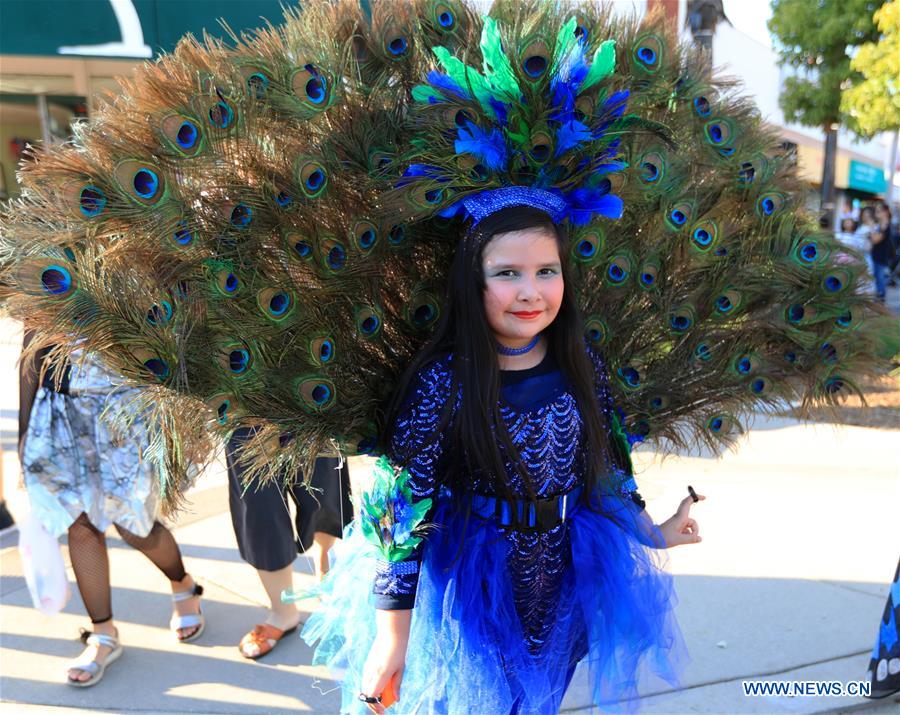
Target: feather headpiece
{"x": 536, "y": 127}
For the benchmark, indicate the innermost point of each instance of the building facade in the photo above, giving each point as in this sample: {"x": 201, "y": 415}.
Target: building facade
{"x": 58, "y": 59}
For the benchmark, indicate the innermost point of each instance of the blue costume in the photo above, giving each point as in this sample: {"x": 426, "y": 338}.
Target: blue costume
{"x": 503, "y": 609}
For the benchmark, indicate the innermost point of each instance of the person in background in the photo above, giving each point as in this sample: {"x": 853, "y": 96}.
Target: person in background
{"x": 889, "y": 223}
{"x": 6, "y": 519}
{"x": 269, "y": 541}
{"x": 848, "y": 238}
{"x": 847, "y": 235}
{"x": 850, "y": 210}
{"x": 863, "y": 233}
{"x": 882, "y": 253}
{"x": 84, "y": 473}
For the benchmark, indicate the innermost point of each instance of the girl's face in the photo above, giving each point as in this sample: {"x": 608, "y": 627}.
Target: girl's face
{"x": 523, "y": 284}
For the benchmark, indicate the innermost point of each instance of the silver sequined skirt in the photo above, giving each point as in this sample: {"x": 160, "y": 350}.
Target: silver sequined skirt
{"x": 74, "y": 461}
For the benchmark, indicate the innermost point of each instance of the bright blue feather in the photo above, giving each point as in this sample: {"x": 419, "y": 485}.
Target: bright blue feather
{"x": 607, "y": 167}
{"x": 489, "y": 147}
{"x": 615, "y": 103}
{"x": 585, "y": 203}
{"x": 564, "y": 85}
{"x": 569, "y": 135}
{"x": 500, "y": 109}
{"x": 612, "y": 109}
{"x": 447, "y": 84}
{"x": 432, "y": 172}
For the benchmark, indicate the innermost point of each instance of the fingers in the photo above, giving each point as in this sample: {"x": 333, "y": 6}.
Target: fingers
{"x": 373, "y": 685}
{"x": 376, "y": 708}
{"x": 692, "y": 530}
{"x": 682, "y": 539}
{"x": 689, "y": 533}
{"x": 391, "y": 692}
{"x": 684, "y": 508}
{"x": 385, "y": 686}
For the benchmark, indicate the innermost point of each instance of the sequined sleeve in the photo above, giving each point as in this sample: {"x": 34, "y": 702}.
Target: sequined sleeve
{"x": 417, "y": 444}
{"x": 623, "y": 481}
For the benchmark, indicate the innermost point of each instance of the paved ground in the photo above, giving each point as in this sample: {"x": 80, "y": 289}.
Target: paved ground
{"x": 800, "y": 542}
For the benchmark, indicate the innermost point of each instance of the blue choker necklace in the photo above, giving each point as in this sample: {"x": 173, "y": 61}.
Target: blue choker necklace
{"x": 503, "y": 350}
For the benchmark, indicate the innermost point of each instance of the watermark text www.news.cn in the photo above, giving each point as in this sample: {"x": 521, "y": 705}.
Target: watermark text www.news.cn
{"x": 805, "y": 688}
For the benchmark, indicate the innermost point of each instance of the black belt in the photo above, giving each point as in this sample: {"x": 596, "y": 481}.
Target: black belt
{"x": 538, "y": 516}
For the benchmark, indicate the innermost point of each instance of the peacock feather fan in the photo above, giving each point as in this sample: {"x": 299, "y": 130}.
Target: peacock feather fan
{"x": 257, "y": 231}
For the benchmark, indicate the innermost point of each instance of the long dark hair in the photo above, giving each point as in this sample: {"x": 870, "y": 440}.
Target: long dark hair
{"x": 478, "y": 440}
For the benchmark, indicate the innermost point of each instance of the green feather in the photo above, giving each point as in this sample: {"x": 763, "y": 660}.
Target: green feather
{"x": 602, "y": 65}
{"x": 466, "y": 77}
{"x": 496, "y": 64}
{"x": 566, "y": 39}
{"x": 425, "y": 93}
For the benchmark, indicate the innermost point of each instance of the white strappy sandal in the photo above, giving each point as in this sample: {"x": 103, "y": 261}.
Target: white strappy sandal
{"x": 191, "y": 620}
{"x": 91, "y": 666}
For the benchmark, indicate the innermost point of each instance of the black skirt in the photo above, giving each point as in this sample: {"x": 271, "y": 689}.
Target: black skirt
{"x": 266, "y": 537}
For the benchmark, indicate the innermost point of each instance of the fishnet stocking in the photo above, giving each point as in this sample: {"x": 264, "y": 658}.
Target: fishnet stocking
{"x": 160, "y": 547}
{"x": 87, "y": 550}
{"x": 90, "y": 561}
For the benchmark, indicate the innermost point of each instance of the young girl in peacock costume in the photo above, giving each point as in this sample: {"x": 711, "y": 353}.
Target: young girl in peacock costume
{"x": 537, "y": 552}
{"x": 260, "y": 234}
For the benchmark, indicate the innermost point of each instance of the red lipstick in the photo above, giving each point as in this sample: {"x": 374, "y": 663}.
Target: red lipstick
{"x": 528, "y": 314}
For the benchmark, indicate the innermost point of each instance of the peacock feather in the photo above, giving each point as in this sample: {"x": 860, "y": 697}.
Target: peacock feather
{"x": 257, "y": 231}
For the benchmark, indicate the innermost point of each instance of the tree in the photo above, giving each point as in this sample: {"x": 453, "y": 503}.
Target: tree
{"x": 815, "y": 38}
{"x": 874, "y": 103}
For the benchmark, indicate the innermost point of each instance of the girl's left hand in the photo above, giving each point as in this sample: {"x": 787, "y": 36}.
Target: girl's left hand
{"x": 680, "y": 528}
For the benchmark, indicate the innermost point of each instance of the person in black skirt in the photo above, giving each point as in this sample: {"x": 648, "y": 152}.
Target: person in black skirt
{"x": 882, "y": 253}
{"x": 269, "y": 539}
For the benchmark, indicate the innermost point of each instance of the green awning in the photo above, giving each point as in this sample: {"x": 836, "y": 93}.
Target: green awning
{"x": 121, "y": 29}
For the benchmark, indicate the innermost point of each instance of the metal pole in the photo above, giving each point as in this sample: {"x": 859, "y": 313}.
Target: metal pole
{"x": 892, "y": 169}
{"x": 44, "y": 114}
{"x": 827, "y": 196}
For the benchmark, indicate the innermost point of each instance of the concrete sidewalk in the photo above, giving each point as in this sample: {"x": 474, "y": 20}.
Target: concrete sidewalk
{"x": 800, "y": 542}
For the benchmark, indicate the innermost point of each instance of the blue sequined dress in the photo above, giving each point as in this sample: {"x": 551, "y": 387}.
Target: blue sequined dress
{"x": 501, "y": 615}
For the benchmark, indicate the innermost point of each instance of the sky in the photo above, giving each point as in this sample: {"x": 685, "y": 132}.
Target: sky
{"x": 750, "y": 17}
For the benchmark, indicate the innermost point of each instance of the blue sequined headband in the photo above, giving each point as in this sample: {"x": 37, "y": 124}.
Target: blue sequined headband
{"x": 485, "y": 203}
{"x": 577, "y": 206}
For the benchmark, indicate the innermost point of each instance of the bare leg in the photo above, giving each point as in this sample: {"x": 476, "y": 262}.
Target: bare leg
{"x": 283, "y": 616}
{"x": 322, "y": 544}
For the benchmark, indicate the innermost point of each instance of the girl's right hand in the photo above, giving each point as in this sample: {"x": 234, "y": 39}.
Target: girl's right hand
{"x": 387, "y": 657}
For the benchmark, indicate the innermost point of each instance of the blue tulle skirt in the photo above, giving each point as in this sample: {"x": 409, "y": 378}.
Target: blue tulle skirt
{"x": 467, "y": 650}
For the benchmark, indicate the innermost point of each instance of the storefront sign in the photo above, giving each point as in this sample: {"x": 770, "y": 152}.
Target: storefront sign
{"x": 866, "y": 177}
{"x": 121, "y": 28}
